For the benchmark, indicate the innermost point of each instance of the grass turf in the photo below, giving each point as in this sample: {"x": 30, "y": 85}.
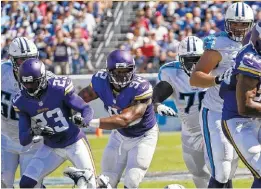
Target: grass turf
{"x": 167, "y": 157}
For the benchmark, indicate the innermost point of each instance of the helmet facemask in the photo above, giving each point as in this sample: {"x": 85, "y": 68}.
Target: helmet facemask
{"x": 189, "y": 62}
{"x": 34, "y": 87}
{"x": 121, "y": 77}
{"x": 237, "y": 30}
{"x": 17, "y": 61}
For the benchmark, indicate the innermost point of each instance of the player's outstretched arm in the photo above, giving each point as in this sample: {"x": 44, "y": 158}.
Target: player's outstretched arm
{"x": 124, "y": 119}
{"x": 246, "y": 91}
{"x": 88, "y": 94}
{"x": 200, "y": 76}
{"x": 160, "y": 93}
{"x": 25, "y": 134}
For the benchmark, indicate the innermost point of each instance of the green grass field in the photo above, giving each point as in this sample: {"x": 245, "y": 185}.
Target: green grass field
{"x": 168, "y": 157}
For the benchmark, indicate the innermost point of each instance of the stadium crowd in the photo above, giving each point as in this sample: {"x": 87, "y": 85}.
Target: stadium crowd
{"x": 63, "y": 31}
{"x": 159, "y": 27}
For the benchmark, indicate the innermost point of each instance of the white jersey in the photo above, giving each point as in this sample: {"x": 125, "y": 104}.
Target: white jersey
{"x": 9, "y": 118}
{"x": 10, "y": 87}
{"x": 186, "y": 98}
{"x": 228, "y": 50}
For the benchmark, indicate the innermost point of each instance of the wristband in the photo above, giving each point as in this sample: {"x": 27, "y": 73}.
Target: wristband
{"x": 218, "y": 80}
{"x": 95, "y": 123}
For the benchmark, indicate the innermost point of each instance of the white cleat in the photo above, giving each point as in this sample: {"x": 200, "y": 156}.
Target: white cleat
{"x": 103, "y": 182}
{"x": 76, "y": 174}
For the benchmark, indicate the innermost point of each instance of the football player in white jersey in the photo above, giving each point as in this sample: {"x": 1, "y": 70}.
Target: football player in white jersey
{"x": 174, "y": 80}
{"x": 13, "y": 153}
{"x": 219, "y": 55}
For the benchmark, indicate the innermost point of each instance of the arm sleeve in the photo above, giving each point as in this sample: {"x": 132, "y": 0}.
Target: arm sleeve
{"x": 77, "y": 103}
{"x": 25, "y": 136}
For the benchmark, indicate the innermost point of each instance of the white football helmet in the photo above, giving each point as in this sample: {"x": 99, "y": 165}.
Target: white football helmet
{"x": 239, "y": 12}
{"x": 21, "y": 49}
{"x": 190, "y": 50}
{"x": 174, "y": 186}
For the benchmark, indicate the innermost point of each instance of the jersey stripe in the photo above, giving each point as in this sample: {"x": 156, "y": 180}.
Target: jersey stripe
{"x": 146, "y": 94}
{"x": 68, "y": 88}
{"x": 208, "y": 139}
{"x": 250, "y": 71}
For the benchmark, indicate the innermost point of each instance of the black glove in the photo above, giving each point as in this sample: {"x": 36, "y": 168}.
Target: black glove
{"x": 78, "y": 120}
{"x": 224, "y": 77}
{"x": 42, "y": 131}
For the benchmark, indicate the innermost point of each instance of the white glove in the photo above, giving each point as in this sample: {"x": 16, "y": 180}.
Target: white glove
{"x": 165, "y": 111}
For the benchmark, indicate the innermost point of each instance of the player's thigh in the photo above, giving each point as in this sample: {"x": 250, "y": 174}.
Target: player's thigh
{"x": 114, "y": 158}
{"x": 193, "y": 154}
{"x": 45, "y": 161}
{"x": 9, "y": 164}
{"x": 243, "y": 134}
{"x": 140, "y": 157}
{"x": 80, "y": 155}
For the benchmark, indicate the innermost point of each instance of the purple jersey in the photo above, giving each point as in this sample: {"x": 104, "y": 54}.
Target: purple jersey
{"x": 248, "y": 62}
{"x": 138, "y": 90}
{"x": 53, "y": 109}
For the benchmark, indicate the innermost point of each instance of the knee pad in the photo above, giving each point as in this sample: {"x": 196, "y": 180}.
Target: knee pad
{"x": 133, "y": 178}
{"x": 27, "y": 182}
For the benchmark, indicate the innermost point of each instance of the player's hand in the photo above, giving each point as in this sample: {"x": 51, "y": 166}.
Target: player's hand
{"x": 78, "y": 120}
{"x": 226, "y": 76}
{"x": 165, "y": 111}
{"x": 42, "y": 131}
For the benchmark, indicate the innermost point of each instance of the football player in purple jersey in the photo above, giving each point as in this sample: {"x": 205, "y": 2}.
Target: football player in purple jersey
{"x": 48, "y": 103}
{"x": 127, "y": 98}
{"x": 242, "y": 105}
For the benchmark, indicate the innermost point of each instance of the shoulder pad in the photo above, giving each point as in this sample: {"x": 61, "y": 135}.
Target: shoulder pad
{"x": 171, "y": 65}
{"x": 62, "y": 83}
{"x": 142, "y": 87}
{"x": 98, "y": 79}
{"x": 250, "y": 64}
{"x": 16, "y": 101}
{"x": 6, "y": 66}
{"x": 211, "y": 42}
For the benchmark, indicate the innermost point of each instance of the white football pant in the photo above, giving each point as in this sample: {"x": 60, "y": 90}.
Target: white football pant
{"x": 220, "y": 156}
{"x": 134, "y": 154}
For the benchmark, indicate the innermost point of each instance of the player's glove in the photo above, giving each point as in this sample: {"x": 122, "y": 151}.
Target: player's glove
{"x": 165, "y": 111}
{"x": 42, "y": 131}
{"x": 79, "y": 120}
{"x": 224, "y": 77}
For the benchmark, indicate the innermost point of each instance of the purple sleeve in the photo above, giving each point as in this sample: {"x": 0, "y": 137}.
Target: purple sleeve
{"x": 24, "y": 129}
{"x": 77, "y": 103}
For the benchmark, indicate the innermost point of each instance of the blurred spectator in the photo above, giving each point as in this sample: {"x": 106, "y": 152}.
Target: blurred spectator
{"x": 62, "y": 52}
{"x": 63, "y": 46}
{"x": 158, "y": 27}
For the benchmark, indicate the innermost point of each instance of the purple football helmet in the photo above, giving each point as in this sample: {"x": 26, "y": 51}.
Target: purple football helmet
{"x": 256, "y": 37}
{"x": 32, "y": 76}
{"x": 120, "y": 66}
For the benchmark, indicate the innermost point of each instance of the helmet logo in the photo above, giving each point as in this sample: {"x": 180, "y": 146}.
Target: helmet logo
{"x": 27, "y": 79}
